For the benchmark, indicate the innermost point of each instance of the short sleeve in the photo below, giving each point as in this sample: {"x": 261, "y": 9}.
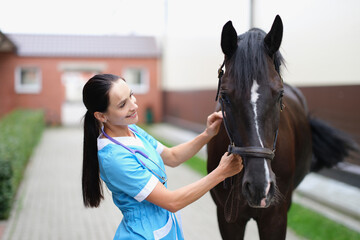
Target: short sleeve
{"x": 125, "y": 174}
{"x": 155, "y": 143}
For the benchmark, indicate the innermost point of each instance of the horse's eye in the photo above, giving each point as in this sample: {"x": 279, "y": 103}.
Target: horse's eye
{"x": 225, "y": 97}
{"x": 281, "y": 95}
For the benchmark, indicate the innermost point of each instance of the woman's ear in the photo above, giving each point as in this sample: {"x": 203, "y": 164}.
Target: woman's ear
{"x": 100, "y": 116}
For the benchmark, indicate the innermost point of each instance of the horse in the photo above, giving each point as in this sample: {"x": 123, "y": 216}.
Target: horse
{"x": 267, "y": 123}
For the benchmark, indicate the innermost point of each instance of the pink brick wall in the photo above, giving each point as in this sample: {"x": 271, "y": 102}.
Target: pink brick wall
{"x": 52, "y": 95}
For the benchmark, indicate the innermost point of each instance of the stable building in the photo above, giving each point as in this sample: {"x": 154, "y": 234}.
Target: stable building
{"x": 48, "y": 72}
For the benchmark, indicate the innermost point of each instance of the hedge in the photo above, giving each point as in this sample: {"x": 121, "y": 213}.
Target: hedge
{"x": 20, "y": 132}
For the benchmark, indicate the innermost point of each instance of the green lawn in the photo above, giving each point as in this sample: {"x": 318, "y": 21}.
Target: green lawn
{"x": 314, "y": 226}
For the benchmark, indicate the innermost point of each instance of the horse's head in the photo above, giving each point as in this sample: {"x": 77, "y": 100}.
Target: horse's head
{"x": 250, "y": 93}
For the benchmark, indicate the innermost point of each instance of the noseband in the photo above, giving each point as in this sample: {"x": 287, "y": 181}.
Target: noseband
{"x": 255, "y": 152}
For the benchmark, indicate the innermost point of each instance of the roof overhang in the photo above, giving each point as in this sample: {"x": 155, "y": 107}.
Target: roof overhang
{"x": 6, "y": 45}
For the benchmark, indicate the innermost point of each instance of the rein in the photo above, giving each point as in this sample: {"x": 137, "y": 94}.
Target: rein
{"x": 255, "y": 152}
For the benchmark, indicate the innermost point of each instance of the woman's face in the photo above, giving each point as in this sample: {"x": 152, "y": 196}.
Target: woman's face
{"x": 122, "y": 109}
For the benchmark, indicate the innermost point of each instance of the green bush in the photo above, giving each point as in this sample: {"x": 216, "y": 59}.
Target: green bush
{"x": 5, "y": 188}
{"x": 20, "y": 131}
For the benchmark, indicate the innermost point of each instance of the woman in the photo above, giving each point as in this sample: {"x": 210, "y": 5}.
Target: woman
{"x": 131, "y": 163}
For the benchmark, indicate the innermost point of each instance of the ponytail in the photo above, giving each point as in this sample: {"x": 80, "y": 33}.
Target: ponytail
{"x": 96, "y": 99}
{"x": 91, "y": 183}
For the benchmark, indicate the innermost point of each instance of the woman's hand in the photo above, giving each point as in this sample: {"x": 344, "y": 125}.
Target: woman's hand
{"x": 176, "y": 155}
{"x": 230, "y": 165}
{"x": 213, "y": 123}
{"x": 180, "y": 198}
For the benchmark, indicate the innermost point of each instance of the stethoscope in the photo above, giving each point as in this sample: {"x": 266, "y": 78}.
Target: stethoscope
{"x": 164, "y": 179}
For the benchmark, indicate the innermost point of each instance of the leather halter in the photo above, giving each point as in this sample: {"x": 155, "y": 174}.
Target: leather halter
{"x": 254, "y": 152}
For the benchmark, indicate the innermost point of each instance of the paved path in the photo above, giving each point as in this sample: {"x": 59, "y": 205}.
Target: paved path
{"x": 49, "y": 203}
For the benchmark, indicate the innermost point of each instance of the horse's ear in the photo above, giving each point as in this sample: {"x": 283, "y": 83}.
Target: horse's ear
{"x": 273, "y": 39}
{"x": 228, "y": 39}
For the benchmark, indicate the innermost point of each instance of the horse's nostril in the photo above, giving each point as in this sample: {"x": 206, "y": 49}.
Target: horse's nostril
{"x": 247, "y": 188}
{"x": 272, "y": 188}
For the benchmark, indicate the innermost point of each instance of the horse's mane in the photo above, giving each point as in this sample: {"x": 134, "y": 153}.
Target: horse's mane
{"x": 249, "y": 62}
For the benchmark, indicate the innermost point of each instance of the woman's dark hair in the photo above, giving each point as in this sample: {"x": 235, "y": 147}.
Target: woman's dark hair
{"x": 96, "y": 99}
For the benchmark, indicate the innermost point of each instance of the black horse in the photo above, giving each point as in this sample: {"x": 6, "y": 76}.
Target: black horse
{"x": 261, "y": 114}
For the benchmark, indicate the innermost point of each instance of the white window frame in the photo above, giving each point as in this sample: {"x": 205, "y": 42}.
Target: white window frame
{"x": 28, "y": 88}
{"x": 144, "y": 85}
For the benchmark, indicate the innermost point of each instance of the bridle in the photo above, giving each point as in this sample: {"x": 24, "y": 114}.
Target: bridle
{"x": 254, "y": 152}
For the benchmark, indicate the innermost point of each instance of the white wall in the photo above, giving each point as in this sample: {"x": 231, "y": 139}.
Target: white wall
{"x": 321, "y": 42}
{"x": 191, "y": 47}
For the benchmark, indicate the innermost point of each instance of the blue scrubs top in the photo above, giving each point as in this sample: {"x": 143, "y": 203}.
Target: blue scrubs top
{"x": 131, "y": 182}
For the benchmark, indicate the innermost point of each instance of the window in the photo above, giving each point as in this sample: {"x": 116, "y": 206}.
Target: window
{"x": 27, "y": 80}
{"x": 137, "y": 79}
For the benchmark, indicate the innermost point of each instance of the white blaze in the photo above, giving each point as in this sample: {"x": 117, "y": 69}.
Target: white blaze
{"x": 254, "y": 98}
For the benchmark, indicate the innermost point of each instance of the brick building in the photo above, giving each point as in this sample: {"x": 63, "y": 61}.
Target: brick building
{"x": 48, "y": 72}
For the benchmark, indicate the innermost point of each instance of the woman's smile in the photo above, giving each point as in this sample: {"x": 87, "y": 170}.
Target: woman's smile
{"x": 133, "y": 115}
